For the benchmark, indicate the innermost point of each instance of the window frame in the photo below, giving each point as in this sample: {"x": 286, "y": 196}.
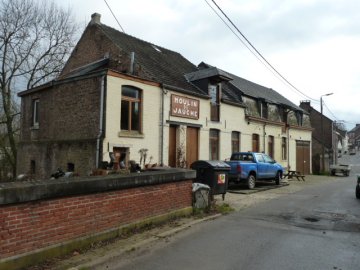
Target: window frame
{"x": 214, "y": 141}
{"x": 271, "y": 146}
{"x": 235, "y": 141}
{"x": 35, "y": 112}
{"x": 131, "y": 103}
{"x": 283, "y": 148}
{"x": 255, "y": 139}
{"x": 214, "y": 106}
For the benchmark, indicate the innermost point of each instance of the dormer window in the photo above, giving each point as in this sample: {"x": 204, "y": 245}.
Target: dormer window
{"x": 264, "y": 110}
{"x": 214, "y": 94}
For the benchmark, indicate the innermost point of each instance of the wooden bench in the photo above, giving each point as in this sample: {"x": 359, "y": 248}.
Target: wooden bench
{"x": 291, "y": 174}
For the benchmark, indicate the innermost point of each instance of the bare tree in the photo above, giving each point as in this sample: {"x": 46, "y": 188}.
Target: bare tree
{"x": 35, "y": 40}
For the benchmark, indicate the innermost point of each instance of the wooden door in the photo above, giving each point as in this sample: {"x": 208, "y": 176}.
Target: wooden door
{"x": 192, "y": 145}
{"x": 172, "y": 146}
{"x": 303, "y": 157}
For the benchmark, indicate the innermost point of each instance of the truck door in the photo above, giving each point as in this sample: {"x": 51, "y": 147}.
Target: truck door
{"x": 270, "y": 170}
{"x": 261, "y": 166}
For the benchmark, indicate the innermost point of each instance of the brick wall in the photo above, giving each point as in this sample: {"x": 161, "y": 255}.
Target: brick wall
{"x": 92, "y": 46}
{"x": 30, "y": 226}
{"x": 69, "y": 116}
{"x": 67, "y": 111}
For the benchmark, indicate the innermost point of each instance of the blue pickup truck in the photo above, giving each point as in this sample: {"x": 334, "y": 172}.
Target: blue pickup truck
{"x": 249, "y": 166}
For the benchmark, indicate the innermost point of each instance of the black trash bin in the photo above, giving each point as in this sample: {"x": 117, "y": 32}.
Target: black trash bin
{"x": 213, "y": 173}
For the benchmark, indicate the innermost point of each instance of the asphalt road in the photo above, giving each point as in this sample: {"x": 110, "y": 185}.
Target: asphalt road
{"x": 315, "y": 228}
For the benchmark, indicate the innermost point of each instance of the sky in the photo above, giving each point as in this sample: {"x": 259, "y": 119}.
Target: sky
{"x": 314, "y": 44}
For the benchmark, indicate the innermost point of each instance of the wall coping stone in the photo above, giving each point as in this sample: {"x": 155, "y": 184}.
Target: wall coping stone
{"x": 21, "y": 192}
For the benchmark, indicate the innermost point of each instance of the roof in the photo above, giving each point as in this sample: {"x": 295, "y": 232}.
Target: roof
{"x": 171, "y": 68}
{"x": 251, "y": 89}
{"x": 158, "y": 64}
{"x": 175, "y": 72}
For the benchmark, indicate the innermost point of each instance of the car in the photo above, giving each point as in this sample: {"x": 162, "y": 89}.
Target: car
{"x": 357, "y": 188}
{"x": 352, "y": 151}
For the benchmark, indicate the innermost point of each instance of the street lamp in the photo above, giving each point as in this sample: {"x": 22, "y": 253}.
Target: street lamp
{"x": 322, "y": 131}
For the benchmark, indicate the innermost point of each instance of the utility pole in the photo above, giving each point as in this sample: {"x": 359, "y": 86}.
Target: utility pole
{"x": 322, "y": 131}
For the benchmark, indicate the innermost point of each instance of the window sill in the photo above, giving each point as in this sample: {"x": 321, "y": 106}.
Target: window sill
{"x": 215, "y": 122}
{"x": 130, "y": 134}
{"x": 35, "y": 127}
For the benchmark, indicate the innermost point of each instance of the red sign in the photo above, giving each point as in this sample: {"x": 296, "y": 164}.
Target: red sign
{"x": 184, "y": 107}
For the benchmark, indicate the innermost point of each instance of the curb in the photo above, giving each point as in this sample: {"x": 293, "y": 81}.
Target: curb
{"x": 118, "y": 253}
{"x": 257, "y": 189}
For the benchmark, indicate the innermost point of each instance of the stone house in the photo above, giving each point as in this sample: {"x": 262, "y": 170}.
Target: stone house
{"x": 120, "y": 98}
{"x": 326, "y": 137}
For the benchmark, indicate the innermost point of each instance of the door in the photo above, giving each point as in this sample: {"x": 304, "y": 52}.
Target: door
{"x": 303, "y": 157}
{"x": 172, "y": 146}
{"x": 261, "y": 166}
{"x": 192, "y": 145}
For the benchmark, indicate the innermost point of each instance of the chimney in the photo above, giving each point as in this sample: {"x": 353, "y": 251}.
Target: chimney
{"x": 95, "y": 18}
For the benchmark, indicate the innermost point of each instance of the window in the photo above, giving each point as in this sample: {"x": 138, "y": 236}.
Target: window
{"x": 70, "y": 167}
{"x": 35, "y": 112}
{"x": 271, "y": 146}
{"x": 32, "y": 167}
{"x": 214, "y": 102}
{"x": 264, "y": 110}
{"x": 255, "y": 143}
{"x": 214, "y": 144}
{"x": 259, "y": 158}
{"x": 235, "y": 141}
{"x": 130, "y": 109}
{"x": 284, "y": 148}
{"x": 268, "y": 159}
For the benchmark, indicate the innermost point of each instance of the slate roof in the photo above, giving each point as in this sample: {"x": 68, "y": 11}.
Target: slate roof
{"x": 172, "y": 69}
{"x": 158, "y": 64}
{"x": 251, "y": 89}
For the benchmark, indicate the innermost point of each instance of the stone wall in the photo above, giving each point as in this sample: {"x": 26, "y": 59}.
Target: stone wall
{"x": 48, "y": 156}
{"x": 39, "y": 216}
{"x": 69, "y": 116}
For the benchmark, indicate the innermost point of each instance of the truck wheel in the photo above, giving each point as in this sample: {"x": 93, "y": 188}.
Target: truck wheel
{"x": 277, "y": 178}
{"x": 357, "y": 191}
{"x": 251, "y": 181}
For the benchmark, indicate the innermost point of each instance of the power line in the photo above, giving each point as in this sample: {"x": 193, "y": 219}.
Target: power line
{"x": 114, "y": 16}
{"x": 243, "y": 42}
{"x": 262, "y": 57}
{"x": 333, "y": 115}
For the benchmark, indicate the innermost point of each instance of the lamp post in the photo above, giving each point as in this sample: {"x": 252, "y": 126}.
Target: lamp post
{"x": 322, "y": 131}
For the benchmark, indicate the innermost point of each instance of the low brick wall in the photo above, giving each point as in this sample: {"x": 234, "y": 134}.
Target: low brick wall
{"x": 39, "y": 215}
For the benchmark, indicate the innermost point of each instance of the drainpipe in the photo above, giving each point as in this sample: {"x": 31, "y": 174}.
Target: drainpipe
{"x": 264, "y": 144}
{"x": 163, "y": 93}
{"x": 288, "y": 147}
{"x": 101, "y": 122}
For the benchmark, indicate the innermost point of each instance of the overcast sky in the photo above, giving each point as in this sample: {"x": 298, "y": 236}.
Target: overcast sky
{"x": 314, "y": 44}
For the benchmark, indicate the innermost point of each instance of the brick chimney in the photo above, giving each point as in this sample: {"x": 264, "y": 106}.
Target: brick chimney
{"x": 95, "y": 18}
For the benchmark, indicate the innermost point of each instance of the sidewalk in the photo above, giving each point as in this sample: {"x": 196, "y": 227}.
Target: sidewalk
{"x": 99, "y": 255}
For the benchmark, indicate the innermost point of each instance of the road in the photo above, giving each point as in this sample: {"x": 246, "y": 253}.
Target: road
{"x": 315, "y": 228}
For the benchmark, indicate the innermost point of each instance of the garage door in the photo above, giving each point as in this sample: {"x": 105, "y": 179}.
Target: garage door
{"x": 303, "y": 157}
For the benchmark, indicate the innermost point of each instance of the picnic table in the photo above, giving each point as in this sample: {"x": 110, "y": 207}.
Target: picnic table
{"x": 291, "y": 174}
